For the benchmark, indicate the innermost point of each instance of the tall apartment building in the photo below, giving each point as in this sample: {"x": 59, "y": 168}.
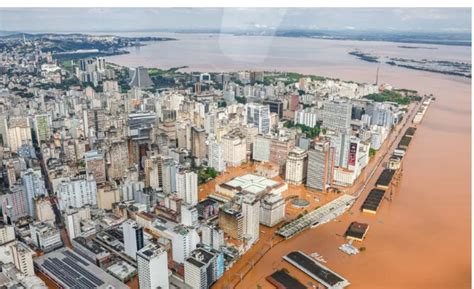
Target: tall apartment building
{"x": 261, "y": 148}
{"x": 258, "y": 115}
{"x": 187, "y": 186}
{"x": 216, "y": 156}
{"x": 169, "y": 170}
{"x": 296, "y": 166}
{"x": 117, "y": 159}
{"x": 306, "y": 117}
{"x": 232, "y": 223}
{"x": 43, "y": 125}
{"x": 319, "y": 166}
{"x": 95, "y": 164}
{"x": 7, "y": 233}
{"x": 18, "y": 132}
{"x": 132, "y": 238}
{"x": 212, "y": 236}
{"x": 198, "y": 144}
{"x": 22, "y": 257}
{"x": 337, "y": 115}
{"x": 34, "y": 186}
{"x": 152, "y": 261}
{"x": 14, "y": 204}
{"x": 77, "y": 191}
{"x": 201, "y": 269}
{"x": 235, "y": 148}
{"x": 251, "y": 213}
{"x": 272, "y": 210}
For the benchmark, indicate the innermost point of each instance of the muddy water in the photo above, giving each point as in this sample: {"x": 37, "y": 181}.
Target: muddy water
{"x": 422, "y": 239}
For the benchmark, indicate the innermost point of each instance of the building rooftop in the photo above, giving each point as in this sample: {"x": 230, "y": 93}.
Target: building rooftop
{"x": 72, "y": 271}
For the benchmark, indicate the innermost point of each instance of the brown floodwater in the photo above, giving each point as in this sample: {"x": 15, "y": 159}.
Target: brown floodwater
{"x": 421, "y": 239}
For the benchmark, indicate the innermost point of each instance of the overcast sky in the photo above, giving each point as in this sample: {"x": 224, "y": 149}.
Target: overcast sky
{"x": 136, "y": 19}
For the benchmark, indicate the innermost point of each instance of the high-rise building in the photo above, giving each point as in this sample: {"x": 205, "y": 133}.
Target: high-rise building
{"x": 132, "y": 238}
{"x": 319, "y": 166}
{"x": 95, "y": 164}
{"x": 152, "y": 261}
{"x": 7, "y": 233}
{"x": 235, "y": 148}
{"x": 200, "y": 269}
{"x": 216, "y": 156}
{"x": 77, "y": 191}
{"x": 22, "y": 257}
{"x": 272, "y": 210}
{"x": 261, "y": 148}
{"x": 117, "y": 159}
{"x": 306, "y": 117}
{"x": 43, "y": 124}
{"x": 275, "y": 106}
{"x": 337, "y": 116}
{"x": 198, "y": 144}
{"x": 187, "y": 187}
{"x": 232, "y": 223}
{"x": 212, "y": 236}
{"x": 258, "y": 115}
{"x": 169, "y": 169}
{"x": 296, "y": 166}
{"x": 34, "y": 186}
{"x": 18, "y": 132}
{"x": 14, "y": 204}
{"x": 251, "y": 213}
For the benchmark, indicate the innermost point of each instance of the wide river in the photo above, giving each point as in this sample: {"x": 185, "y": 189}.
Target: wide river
{"x": 422, "y": 239}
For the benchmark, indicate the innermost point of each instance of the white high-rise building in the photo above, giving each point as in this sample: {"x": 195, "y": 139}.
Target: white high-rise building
{"x": 18, "y": 132}
{"x": 187, "y": 186}
{"x": 200, "y": 269}
{"x": 306, "y": 117}
{"x": 34, "y": 187}
{"x": 212, "y": 236}
{"x": 251, "y": 213}
{"x": 22, "y": 257}
{"x": 272, "y": 210}
{"x": 337, "y": 115}
{"x": 296, "y": 166}
{"x": 7, "y": 233}
{"x": 216, "y": 156}
{"x": 184, "y": 240}
{"x": 77, "y": 192}
{"x": 132, "y": 238}
{"x": 235, "y": 148}
{"x": 152, "y": 261}
{"x": 258, "y": 115}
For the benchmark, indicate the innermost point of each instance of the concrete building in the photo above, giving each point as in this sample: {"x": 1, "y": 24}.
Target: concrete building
{"x": 216, "y": 156}
{"x": 232, "y": 223}
{"x": 251, "y": 213}
{"x": 14, "y": 204}
{"x": 337, "y": 115}
{"x": 132, "y": 238}
{"x": 261, "y": 148}
{"x": 117, "y": 159}
{"x": 272, "y": 210}
{"x": 306, "y": 117}
{"x": 296, "y": 166}
{"x": 140, "y": 78}
{"x": 18, "y": 132}
{"x": 235, "y": 148}
{"x": 319, "y": 166}
{"x": 44, "y": 210}
{"x": 198, "y": 144}
{"x": 152, "y": 263}
{"x": 187, "y": 187}
{"x": 212, "y": 236}
{"x": 34, "y": 186}
{"x": 258, "y": 115}
{"x": 201, "y": 269}
{"x": 95, "y": 164}
{"x": 43, "y": 125}
{"x": 23, "y": 258}
{"x": 7, "y": 233}
{"x": 78, "y": 191}
{"x": 45, "y": 236}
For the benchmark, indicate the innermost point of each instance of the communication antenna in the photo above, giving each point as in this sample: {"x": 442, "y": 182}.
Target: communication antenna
{"x": 377, "y": 76}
